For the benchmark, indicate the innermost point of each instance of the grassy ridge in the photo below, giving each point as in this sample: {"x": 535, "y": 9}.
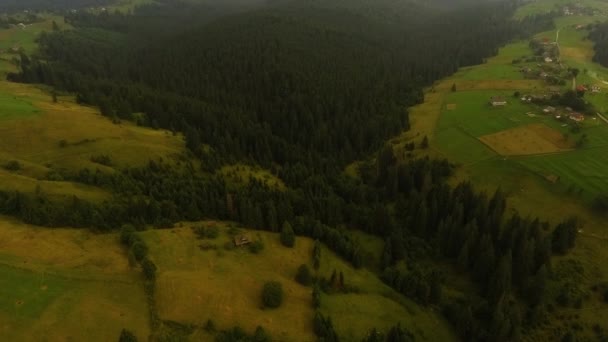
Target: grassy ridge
{"x": 224, "y": 284}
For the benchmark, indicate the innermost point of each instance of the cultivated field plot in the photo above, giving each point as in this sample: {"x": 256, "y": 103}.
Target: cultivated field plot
{"x": 66, "y": 285}
{"x": 529, "y": 139}
{"x": 225, "y": 284}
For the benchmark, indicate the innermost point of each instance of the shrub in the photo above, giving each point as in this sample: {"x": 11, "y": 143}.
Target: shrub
{"x": 139, "y": 250}
{"x": 127, "y": 336}
{"x": 272, "y": 294}
{"x": 256, "y": 246}
{"x": 149, "y": 269}
{"x": 303, "y": 276}
{"x": 12, "y": 165}
{"x": 210, "y": 326}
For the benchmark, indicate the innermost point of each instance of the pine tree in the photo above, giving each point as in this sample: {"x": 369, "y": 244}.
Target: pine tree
{"x": 288, "y": 237}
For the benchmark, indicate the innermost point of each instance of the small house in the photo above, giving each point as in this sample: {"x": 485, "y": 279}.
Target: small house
{"x": 497, "y": 101}
{"x": 544, "y": 75}
{"x": 581, "y": 88}
{"x": 21, "y": 26}
{"x": 549, "y": 109}
{"x": 548, "y": 60}
{"x": 577, "y": 117}
{"x": 241, "y": 240}
{"x": 595, "y": 89}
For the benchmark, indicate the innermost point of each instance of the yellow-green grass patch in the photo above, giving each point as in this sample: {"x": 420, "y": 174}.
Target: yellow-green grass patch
{"x": 529, "y": 139}
{"x": 66, "y": 284}
{"x": 241, "y": 174}
{"x": 225, "y": 285}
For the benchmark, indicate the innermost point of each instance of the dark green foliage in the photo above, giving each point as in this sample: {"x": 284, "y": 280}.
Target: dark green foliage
{"x": 316, "y": 255}
{"x": 600, "y": 204}
{"x": 453, "y": 87}
{"x": 288, "y": 237}
{"x": 303, "y": 276}
{"x": 316, "y": 296}
{"x": 272, "y": 294}
{"x": 256, "y": 246}
{"x": 399, "y": 334}
{"x": 237, "y": 334}
{"x": 206, "y": 232}
{"x": 564, "y": 236}
{"x": 324, "y": 328}
{"x": 139, "y": 251}
{"x": 127, "y": 336}
{"x": 102, "y": 159}
{"x": 149, "y": 269}
{"x": 425, "y": 143}
{"x": 210, "y": 326}
{"x": 12, "y": 165}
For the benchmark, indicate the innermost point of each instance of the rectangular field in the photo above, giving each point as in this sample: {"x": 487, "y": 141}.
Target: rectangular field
{"x": 527, "y": 140}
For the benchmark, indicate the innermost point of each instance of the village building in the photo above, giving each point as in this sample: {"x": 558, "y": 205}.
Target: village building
{"x": 577, "y": 117}
{"x": 497, "y": 101}
{"x": 581, "y": 88}
{"x": 241, "y": 240}
{"x": 548, "y": 60}
{"x": 595, "y": 89}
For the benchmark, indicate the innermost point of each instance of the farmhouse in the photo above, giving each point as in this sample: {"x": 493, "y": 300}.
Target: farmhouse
{"x": 498, "y": 101}
{"x": 549, "y": 109}
{"x": 548, "y": 60}
{"x": 241, "y": 240}
{"x": 581, "y": 88}
{"x": 578, "y": 117}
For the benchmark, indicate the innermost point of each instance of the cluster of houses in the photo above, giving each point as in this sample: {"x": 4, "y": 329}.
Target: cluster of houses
{"x": 559, "y": 114}
{"x": 566, "y": 113}
{"x": 595, "y": 89}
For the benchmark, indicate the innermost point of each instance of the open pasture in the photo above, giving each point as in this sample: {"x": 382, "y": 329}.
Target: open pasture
{"x": 224, "y": 284}
{"x": 525, "y": 140}
{"x": 66, "y": 284}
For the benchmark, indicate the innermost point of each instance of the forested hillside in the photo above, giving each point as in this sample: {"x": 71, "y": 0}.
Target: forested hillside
{"x": 53, "y": 5}
{"x": 303, "y": 89}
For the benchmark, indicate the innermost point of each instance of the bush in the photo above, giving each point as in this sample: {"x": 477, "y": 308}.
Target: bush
{"x": 149, "y": 269}
{"x": 256, "y": 246}
{"x": 12, "y": 165}
{"x": 127, "y": 336}
{"x": 272, "y": 294}
{"x": 102, "y": 159}
{"x": 139, "y": 251}
{"x": 210, "y": 326}
{"x": 303, "y": 276}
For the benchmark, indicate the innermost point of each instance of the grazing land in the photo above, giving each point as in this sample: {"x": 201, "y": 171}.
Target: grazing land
{"x": 212, "y": 279}
{"x": 530, "y": 139}
{"x": 66, "y": 284}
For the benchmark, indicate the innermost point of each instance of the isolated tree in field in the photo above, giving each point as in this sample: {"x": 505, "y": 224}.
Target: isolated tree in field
{"x": 288, "y": 237}
{"x": 260, "y": 335}
{"x": 55, "y": 26}
{"x": 54, "y": 95}
{"x": 127, "y": 336}
{"x": 453, "y": 87}
{"x": 303, "y": 276}
{"x": 272, "y": 294}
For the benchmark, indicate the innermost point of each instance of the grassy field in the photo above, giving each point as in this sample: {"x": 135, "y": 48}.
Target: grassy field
{"x": 66, "y": 284}
{"x": 224, "y": 284}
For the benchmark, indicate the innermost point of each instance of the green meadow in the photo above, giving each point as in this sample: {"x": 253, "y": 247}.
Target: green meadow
{"x": 223, "y": 283}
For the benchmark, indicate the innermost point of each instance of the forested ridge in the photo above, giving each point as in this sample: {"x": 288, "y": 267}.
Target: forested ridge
{"x": 52, "y": 5}
{"x": 599, "y": 35}
{"x": 303, "y": 89}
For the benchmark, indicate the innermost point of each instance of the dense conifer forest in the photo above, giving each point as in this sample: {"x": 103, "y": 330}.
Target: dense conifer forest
{"x": 303, "y": 89}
